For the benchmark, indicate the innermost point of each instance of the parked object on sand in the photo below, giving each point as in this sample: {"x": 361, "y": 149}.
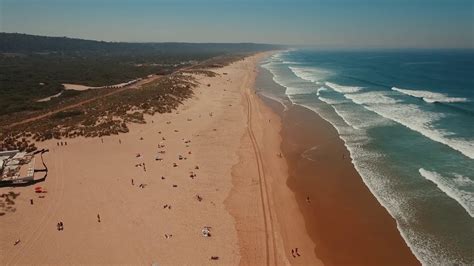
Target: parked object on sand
{"x": 206, "y": 231}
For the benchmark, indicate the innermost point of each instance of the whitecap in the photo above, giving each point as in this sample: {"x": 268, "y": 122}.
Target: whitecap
{"x": 343, "y": 89}
{"x": 372, "y": 97}
{"x": 310, "y": 74}
{"x": 330, "y": 101}
{"x": 451, "y": 188}
{"x": 318, "y": 92}
{"x": 431, "y": 97}
{"x": 421, "y": 121}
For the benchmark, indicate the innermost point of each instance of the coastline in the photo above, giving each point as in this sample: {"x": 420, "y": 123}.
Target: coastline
{"x": 253, "y": 199}
{"x": 265, "y": 209}
{"x": 345, "y": 221}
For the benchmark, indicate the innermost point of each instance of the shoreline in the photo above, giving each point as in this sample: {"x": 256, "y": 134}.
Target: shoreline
{"x": 339, "y": 201}
{"x": 259, "y": 184}
{"x": 248, "y": 189}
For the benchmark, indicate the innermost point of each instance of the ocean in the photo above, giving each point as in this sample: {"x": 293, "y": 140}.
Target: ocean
{"x": 407, "y": 119}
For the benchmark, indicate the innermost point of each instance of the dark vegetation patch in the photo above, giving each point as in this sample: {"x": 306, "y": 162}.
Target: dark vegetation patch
{"x": 35, "y": 67}
{"x": 7, "y": 202}
{"x": 104, "y": 116}
{"x": 66, "y": 114}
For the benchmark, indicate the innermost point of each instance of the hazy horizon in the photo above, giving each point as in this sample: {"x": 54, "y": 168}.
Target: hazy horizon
{"x": 321, "y": 24}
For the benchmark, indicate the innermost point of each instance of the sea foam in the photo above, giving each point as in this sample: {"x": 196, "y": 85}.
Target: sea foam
{"x": 408, "y": 115}
{"x": 431, "y": 97}
{"x": 318, "y": 92}
{"x": 343, "y": 89}
{"x": 372, "y": 97}
{"x": 310, "y": 74}
{"x": 428, "y": 248}
{"x": 421, "y": 121}
{"x": 454, "y": 188}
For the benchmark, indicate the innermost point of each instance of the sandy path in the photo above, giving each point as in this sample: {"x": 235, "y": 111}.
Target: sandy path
{"x": 38, "y": 117}
{"x": 267, "y": 215}
{"x": 115, "y": 91}
{"x": 239, "y": 178}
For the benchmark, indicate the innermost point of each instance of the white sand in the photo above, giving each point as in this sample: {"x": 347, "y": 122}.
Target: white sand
{"x": 78, "y": 87}
{"x": 88, "y": 177}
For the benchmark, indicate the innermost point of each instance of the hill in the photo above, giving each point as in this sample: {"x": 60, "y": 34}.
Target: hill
{"x": 24, "y": 43}
{"x": 34, "y": 67}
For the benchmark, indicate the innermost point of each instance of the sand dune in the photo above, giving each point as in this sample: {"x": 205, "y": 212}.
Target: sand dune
{"x": 229, "y": 178}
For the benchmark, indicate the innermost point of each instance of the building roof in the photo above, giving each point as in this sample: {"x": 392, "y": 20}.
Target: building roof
{"x": 19, "y": 155}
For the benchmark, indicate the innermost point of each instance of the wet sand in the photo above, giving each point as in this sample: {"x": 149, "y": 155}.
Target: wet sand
{"x": 253, "y": 198}
{"x": 343, "y": 218}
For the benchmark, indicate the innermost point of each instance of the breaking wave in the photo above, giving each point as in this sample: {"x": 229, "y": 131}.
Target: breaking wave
{"x": 310, "y": 74}
{"x": 318, "y": 92}
{"x": 343, "y": 89}
{"x": 373, "y": 97}
{"x": 454, "y": 188}
{"x": 411, "y": 116}
{"x": 431, "y": 97}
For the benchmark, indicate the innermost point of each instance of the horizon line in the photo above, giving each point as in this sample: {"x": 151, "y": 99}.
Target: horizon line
{"x": 289, "y": 46}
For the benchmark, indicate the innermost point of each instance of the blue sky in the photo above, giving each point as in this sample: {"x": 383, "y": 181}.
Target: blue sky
{"x": 325, "y": 23}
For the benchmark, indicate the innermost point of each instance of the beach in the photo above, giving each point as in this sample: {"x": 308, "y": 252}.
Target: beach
{"x": 229, "y": 176}
{"x": 224, "y": 133}
{"x": 121, "y": 201}
{"x": 346, "y": 222}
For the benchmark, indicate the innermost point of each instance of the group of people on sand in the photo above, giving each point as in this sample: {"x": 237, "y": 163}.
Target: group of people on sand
{"x": 60, "y": 226}
{"x": 61, "y": 143}
{"x": 295, "y": 253}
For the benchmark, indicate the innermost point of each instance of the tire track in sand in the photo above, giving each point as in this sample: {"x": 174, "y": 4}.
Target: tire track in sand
{"x": 268, "y": 220}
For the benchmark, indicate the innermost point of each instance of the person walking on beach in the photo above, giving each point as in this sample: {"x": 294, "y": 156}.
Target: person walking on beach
{"x": 98, "y": 218}
{"x": 60, "y": 226}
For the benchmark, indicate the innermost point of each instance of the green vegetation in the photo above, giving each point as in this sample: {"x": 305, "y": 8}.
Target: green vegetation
{"x": 104, "y": 116}
{"x": 66, "y": 114}
{"x": 34, "y": 67}
{"x": 27, "y": 78}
